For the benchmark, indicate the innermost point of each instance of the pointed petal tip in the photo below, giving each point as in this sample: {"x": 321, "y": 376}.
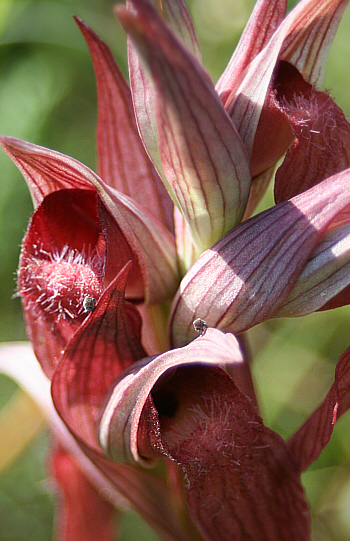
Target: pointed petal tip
{"x": 8, "y": 142}
{"x": 123, "y": 15}
{"x": 85, "y": 28}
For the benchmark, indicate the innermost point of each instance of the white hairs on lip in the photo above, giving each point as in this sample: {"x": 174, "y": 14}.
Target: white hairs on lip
{"x": 58, "y": 282}
{"x": 87, "y": 256}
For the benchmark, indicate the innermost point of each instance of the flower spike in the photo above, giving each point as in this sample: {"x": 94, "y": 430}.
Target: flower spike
{"x": 183, "y": 165}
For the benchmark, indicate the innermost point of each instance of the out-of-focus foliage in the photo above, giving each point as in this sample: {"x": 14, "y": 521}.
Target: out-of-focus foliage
{"x": 47, "y": 96}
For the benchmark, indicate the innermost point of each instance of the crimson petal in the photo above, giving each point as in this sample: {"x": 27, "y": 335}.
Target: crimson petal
{"x": 122, "y": 485}
{"x": 303, "y": 39}
{"x": 119, "y": 426}
{"x": 39, "y": 183}
{"x": 151, "y": 243}
{"x": 107, "y": 342}
{"x": 143, "y": 94}
{"x": 308, "y": 43}
{"x": 264, "y": 20}
{"x": 123, "y": 162}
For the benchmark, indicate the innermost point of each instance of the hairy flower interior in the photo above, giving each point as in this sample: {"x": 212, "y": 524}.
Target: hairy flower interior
{"x": 59, "y": 282}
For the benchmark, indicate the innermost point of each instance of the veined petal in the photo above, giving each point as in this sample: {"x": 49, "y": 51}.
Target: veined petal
{"x": 304, "y": 39}
{"x": 315, "y": 433}
{"x": 123, "y": 162}
{"x": 119, "y": 426}
{"x": 203, "y": 158}
{"x": 176, "y": 14}
{"x": 39, "y": 182}
{"x": 264, "y": 20}
{"x": 325, "y": 275}
{"x": 143, "y": 94}
{"x": 314, "y": 24}
{"x": 178, "y": 18}
{"x": 144, "y": 101}
{"x": 106, "y": 343}
{"x": 151, "y": 244}
{"x": 246, "y": 276}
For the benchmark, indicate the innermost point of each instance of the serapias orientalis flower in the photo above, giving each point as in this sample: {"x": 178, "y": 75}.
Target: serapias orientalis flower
{"x": 163, "y": 236}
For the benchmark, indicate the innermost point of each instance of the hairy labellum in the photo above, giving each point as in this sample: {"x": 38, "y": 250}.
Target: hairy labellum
{"x": 60, "y": 283}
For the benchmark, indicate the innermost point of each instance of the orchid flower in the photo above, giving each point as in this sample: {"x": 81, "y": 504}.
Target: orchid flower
{"x": 139, "y": 283}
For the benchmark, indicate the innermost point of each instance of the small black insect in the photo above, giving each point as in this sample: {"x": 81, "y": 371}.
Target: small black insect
{"x": 89, "y": 304}
{"x": 200, "y": 326}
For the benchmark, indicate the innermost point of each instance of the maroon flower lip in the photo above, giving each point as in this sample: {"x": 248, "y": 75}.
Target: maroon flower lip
{"x": 164, "y": 237}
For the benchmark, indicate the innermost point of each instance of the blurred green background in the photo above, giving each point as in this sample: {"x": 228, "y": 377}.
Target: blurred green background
{"x": 47, "y": 96}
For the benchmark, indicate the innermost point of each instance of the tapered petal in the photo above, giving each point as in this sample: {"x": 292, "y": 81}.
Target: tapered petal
{"x": 263, "y": 22}
{"x": 143, "y": 94}
{"x": 177, "y": 16}
{"x": 242, "y": 480}
{"x": 313, "y": 26}
{"x": 39, "y": 182}
{"x": 106, "y": 343}
{"x": 123, "y": 162}
{"x": 308, "y": 32}
{"x": 151, "y": 244}
{"x": 203, "y": 158}
{"x": 244, "y": 278}
{"x": 315, "y": 433}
